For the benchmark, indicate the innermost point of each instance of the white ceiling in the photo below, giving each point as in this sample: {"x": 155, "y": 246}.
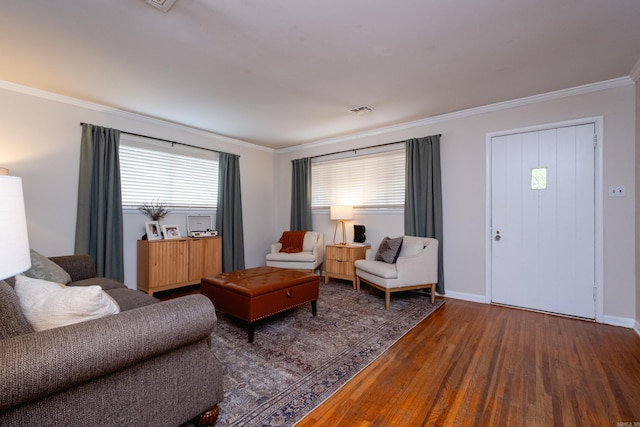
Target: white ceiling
{"x": 284, "y": 72}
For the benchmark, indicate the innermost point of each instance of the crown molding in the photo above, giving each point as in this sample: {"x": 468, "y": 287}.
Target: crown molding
{"x": 126, "y": 114}
{"x": 564, "y": 93}
{"x": 529, "y": 100}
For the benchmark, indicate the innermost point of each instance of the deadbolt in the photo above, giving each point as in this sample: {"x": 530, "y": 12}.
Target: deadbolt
{"x": 497, "y": 235}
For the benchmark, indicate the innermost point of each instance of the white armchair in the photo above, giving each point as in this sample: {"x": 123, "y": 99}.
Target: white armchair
{"x": 415, "y": 268}
{"x": 310, "y": 259}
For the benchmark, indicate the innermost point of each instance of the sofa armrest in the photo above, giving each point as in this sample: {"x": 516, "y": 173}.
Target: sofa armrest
{"x": 370, "y": 254}
{"x": 275, "y": 248}
{"x": 421, "y": 268}
{"x": 318, "y": 249}
{"x": 79, "y": 267}
{"x": 43, "y": 363}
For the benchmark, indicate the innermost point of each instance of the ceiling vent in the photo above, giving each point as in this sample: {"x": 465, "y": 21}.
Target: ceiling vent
{"x": 163, "y": 5}
{"x": 361, "y": 110}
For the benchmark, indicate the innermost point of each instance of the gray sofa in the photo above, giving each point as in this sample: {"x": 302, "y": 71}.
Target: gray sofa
{"x": 149, "y": 365}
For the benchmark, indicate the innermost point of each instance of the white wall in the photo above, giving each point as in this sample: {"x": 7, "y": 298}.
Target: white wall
{"x": 40, "y": 142}
{"x": 40, "y": 139}
{"x": 464, "y": 183}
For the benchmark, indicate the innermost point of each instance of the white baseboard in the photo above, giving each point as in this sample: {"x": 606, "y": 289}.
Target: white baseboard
{"x": 621, "y": 321}
{"x": 609, "y": 320}
{"x": 465, "y": 296}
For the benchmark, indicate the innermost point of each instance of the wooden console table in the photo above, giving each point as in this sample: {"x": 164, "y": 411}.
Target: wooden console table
{"x": 174, "y": 263}
{"x": 339, "y": 261}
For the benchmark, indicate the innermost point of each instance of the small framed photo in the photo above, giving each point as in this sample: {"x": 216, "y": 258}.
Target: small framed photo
{"x": 153, "y": 230}
{"x": 171, "y": 231}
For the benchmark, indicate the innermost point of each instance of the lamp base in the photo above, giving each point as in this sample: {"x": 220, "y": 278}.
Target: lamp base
{"x": 344, "y": 234}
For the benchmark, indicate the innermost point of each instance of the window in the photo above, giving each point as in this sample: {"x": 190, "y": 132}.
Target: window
{"x": 373, "y": 180}
{"x": 179, "y": 177}
{"x": 539, "y": 178}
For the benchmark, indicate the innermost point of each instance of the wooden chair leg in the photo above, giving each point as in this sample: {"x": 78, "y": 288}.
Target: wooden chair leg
{"x": 433, "y": 293}
{"x": 357, "y": 284}
{"x": 387, "y": 298}
{"x": 209, "y": 418}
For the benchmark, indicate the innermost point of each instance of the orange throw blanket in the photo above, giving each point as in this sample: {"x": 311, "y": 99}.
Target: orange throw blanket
{"x": 292, "y": 241}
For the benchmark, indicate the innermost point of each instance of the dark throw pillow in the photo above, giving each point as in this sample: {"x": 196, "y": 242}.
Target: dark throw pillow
{"x": 45, "y": 269}
{"x": 389, "y": 250}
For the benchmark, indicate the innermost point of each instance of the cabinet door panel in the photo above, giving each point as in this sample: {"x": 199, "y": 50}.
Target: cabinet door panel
{"x": 212, "y": 257}
{"x": 168, "y": 262}
{"x": 205, "y": 257}
{"x": 196, "y": 259}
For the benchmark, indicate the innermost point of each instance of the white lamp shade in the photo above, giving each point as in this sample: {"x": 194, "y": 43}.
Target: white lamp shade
{"x": 14, "y": 240}
{"x": 341, "y": 213}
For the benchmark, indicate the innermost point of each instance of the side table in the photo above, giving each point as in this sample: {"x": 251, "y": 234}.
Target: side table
{"x": 339, "y": 261}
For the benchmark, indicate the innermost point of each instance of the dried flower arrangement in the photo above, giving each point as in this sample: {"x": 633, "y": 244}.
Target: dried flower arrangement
{"x": 156, "y": 210}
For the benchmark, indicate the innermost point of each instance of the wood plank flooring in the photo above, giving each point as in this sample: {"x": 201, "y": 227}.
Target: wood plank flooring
{"x": 473, "y": 364}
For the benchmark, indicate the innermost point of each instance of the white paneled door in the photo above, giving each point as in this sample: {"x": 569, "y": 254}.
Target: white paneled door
{"x": 542, "y": 220}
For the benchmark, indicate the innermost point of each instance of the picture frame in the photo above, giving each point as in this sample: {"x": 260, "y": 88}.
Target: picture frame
{"x": 171, "y": 231}
{"x": 153, "y": 230}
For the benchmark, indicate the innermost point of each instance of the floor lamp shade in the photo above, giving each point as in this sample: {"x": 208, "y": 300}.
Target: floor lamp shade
{"x": 14, "y": 243}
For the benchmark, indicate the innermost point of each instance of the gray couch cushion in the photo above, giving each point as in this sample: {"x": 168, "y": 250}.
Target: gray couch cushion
{"x": 128, "y": 299}
{"x": 45, "y": 269}
{"x": 105, "y": 283}
{"x": 12, "y": 321}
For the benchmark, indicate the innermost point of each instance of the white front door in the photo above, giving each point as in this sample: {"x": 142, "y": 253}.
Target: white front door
{"x": 542, "y": 220}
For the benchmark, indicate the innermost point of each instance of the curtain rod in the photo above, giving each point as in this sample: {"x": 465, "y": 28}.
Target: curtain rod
{"x": 362, "y": 148}
{"x": 163, "y": 140}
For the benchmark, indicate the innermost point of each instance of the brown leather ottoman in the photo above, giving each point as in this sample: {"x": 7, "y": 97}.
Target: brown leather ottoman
{"x": 256, "y": 293}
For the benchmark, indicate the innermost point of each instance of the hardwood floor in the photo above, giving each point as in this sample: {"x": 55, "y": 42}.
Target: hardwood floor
{"x": 473, "y": 364}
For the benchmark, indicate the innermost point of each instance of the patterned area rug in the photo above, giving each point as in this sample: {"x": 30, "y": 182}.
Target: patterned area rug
{"x": 297, "y": 361}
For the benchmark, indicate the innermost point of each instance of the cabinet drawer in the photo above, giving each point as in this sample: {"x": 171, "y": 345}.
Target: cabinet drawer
{"x": 340, "y": 267}
{"x": 345, "y": 254}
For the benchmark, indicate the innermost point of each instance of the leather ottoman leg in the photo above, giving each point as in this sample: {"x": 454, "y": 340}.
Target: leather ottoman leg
{"x": 251, "y": 329}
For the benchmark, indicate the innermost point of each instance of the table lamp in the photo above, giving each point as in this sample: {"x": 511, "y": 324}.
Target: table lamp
{"x": 340, "y": 214}
{"x": 14, "y": 250}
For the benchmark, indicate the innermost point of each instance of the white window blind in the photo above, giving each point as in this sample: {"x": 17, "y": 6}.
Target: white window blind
{"x": 375, "y": 180}
{"x": 178, "y": 178}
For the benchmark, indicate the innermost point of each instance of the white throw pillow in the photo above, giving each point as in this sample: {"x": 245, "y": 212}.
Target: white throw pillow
{"x": 49, "y": 305}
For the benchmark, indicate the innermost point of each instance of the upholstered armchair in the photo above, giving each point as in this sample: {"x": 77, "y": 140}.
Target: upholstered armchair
{"x": 416, "y": 267}
{"x": 309, "y": 258}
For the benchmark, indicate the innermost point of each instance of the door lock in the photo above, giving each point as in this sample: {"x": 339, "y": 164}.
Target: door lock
{"x": 497, "y": 238}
